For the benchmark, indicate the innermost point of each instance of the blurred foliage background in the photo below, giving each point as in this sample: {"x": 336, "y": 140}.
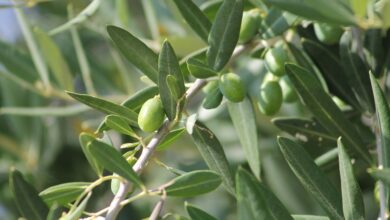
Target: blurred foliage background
{"x": 39, "y": 133}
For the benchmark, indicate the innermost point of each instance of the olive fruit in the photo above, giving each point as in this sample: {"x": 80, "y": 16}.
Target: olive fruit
{"x": 232, "y": 87}
{"x": 288, "y": 90}
{"x": 275, "y": 59}
{"x": 327, "y": 33}
{"x": 250, "y": 23}
{"x": 151, "y": 115}
{"x": 213, "y": 97}
{"x": 270, "y": 97}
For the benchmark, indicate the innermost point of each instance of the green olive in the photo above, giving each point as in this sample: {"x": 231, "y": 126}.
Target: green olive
{"x": 250, "y": 23}
{"x": 288, "y": 90}
{"x": 151, "y": 115}
{"x": 275, "y": 59}
{"x": 327, "y": 34}
{"x": 232, "y": 87}
{"x": 210, "y": 86}
{"x": 270, "y": 97}
{"x": 213, "y": 98}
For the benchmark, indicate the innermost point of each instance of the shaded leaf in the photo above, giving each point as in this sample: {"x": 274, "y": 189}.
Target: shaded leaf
{"x": 311, "y": 177}
{"x": 244, "y": 121}
{"x": 170, "y": 81}
{"x": 213, "y": 154}
{"x": 224, "y": 34}
{"x": 374, "y": 53}
{"x": 119, "y": 124}
{"x": 113, "y": 161}
{"x": 136, "y": 101}
{"x": 321, "y": 10}
{"x": 135, "y": 51}
{"x": 199, "y": 69}
{"x": 107, "y": 107}
{"x": 353, "y": 206}
{"x": 55, "y": 60}
{"x": 325, "y": 110}
{"x": 63, "y": 194}
{"x": 29, "y": 204}
{"x": 78, "y": 212}
{"x": 193, "y": 183}
{"x": 194, "y": 17}
{"x": 170, "y": 138}
{"x": 197, "y": 214}
{"x": 382, "y": 175}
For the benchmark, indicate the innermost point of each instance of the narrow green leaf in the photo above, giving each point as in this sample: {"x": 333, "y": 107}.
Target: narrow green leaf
{"x": 193, "y": 183}
{"x": 119, "y": 124}
{"x": 311, "y": 177}
{"x": 332, "y": 70}
{"x": 199, "y": 69}
{"x": 353, "y": 206}
{"x": 320, "y": 10}
{"x": 29, "y": 204}
{"x": 170, "y": 81}
{"x": 84, "y": 140}
{"x": 244, "y": 121}
{"x": 224, "y": 34}
{"x": 135, "y": 51}
{"x": 383, "y": 118}
{"x": 382, "y": 175}
{"x": 306, "y": 130}
{"x": 197, "y": 214}
{"x": 359, "y": 7}
{"x": 325, "y": 110}
{"x": 107, "y": 107}
{"x": 309, "y": 217}
{"x": 136, "y": 101}
{"x": 213, "y": 154}
{"x": 63, "y": 194}
{"x": 78, "y": 212}
{"x": 170, "y": 138}
{"x": 357, "y": 72}
{"x": 276, "y": 23}
{"x": 250, "y": 203}
{"x": 306, "y": 62}
{"x": 194, "y": 17}
{"x": 55, "y": 60}
{"x": 113, "y": 161}
{"x": 374, "y": 52}
{"x": 55, "y": 212}
{"x": 81, "y": 17}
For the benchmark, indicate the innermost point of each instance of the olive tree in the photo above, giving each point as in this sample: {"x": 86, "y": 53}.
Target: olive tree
{"x": 324, "y": 64}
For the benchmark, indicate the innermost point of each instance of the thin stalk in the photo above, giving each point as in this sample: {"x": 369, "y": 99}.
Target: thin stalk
{"x": 33, "y": 48}
{"x": 82, "y": 58}
{"x": 45, "y": 111}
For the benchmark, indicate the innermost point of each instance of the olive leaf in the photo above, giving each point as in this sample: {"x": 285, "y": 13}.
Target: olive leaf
{"x": 357, "y": 72}
{"x": 309, "y": 217}
{"x": 119, "y": 124}
{"x": 381, "y": 174}
{"x": 135, "y": 101}
{"x": 170, "y": 81}
{"x": 29, "y": 204}
{"x": 171, "y": 137}
{"x": 199, "y": 69}
{"x": 321, "y": 10}
{"x": 64, "y": 193}
{"x": 193, "y": 183}
{"x": 212, "y": 152}
{"x": 55, "y": 60}
{"x": 325, "y": 110}
{"x": 374, "y": 52}
{"x": 107, "y": 107}
{"x": 311, "y": 177}
{"x": 197, "y": 214}
{"x": 224, "y": 34}
{"x": 194, "y": 17}
{"x": 135, "y": 51}
{"x": 78, "y": 212}
{"x": 84, "y": 140}
{"x": 353, "y": 206}
{"x": 244, "y": 121}
{"x": 113, "y": 161}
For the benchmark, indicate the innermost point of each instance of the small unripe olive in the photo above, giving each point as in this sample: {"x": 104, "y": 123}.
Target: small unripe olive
{"x": 288, "y": 90}
{"x": 232, "y": 87}
{"x": 250, "y": 23}
{"x": 151, "y": 115}
{"x": 213, "y": 98}
{"x": 270, "y": 97}
{"x": 210, "y": 86}
{"x": 327, "y": 33}
{"x": 275, "y": 59}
